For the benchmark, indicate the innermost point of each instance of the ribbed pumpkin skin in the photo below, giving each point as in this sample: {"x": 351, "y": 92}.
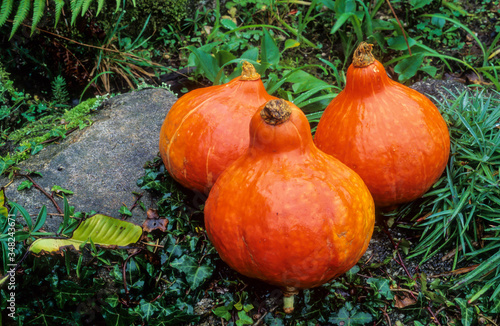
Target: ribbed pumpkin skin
{"x": 207, "y": 129}
{"x": 287, "y": 213}
{"x": 391, "y": 135}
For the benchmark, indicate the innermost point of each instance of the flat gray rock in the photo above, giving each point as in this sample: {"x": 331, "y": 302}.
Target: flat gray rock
{"x": 101, "y": 163}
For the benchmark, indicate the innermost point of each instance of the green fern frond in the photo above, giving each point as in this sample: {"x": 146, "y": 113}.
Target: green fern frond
{"x": 59, "y": 8}
{"x": 76, "y": 8}
{"x": 38, "y": 11}
{"x": 100, "y": 4}
{"x": 5, "y": 10}
{"x": 85, "y": 6}
{"x": 21, "y": 14}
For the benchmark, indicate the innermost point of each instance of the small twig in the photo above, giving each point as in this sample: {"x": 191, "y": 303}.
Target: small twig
{"x": 404, "y": 290}
{"x": 124, "y": 274}
{"x": 139, "y": 196}
{"x": 43, "y": 191}
{"x": 400, "y": 26}
{"x": 257, "y": 322}
{"x": 386, "y": 315}
{"x": 153, "y": 245}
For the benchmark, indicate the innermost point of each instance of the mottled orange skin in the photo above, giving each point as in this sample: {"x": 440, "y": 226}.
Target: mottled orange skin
{"x": 207, "y": 129}
{"x": 391, "y": 135}
{"x": 287, "y": 213}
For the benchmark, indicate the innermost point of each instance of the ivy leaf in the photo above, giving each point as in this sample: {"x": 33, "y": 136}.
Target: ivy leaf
{"x": 146, "y": 309}
{"x": 35, "y": 149}
{"x": 195, "y": 274}
{"x": 61, "y": 190}
{"x": 381, "y": 287}
{"x": 125, "y": 211}
{"x": 244, "y": 319}
{"x": 26, "y": 184}
{"x": 352, "y": 318}
{"x": 223, "y": 312}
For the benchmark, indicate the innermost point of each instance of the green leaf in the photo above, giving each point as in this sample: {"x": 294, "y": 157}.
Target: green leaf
{"x": 195, "y": 274}
{"x": 269, "y": 50}
{"x": 408, "y": 67}
{"x": 467, "y": 311}
{"x": 61, "y": 190}
{"x": 251, "y": 54}
{"x": 85, "y": 6}
{"x": 38, "y": 11}
{"x": 417, "y": 4}
{"x": 26, "y": 184}
{"x": 5, "y": 163}
{"x": 35, "y": 149}
{"x": 21, "y": 14}
{"x": 3, "y": 210}
{"x": 344, "y": 6}
{"x": 100, "y": 4}
{"x": 103, "y": 230}
{"x": 289, "y": 43}
{"x": 41, "y": 218}
{"x": 58, "y": 10}
{"x": 228, "y": 24}
{"x": 125, "y": 211}
{"x": 243, "y": 319}
{"x": 303, "y": 81}
{"x": 24, "y": 213}
{"x": 398, "y": 43}
{"x": 429, "y": 70}
{"x": 223, "y": 312}
{"x": 342, "y": 19}
{"x": 205, "y": 62}
{"x": 381, "y": 287}
{"x": 5, "y": 11}
{"x": 344, "y": 318}
{"x": 146, "y": 309}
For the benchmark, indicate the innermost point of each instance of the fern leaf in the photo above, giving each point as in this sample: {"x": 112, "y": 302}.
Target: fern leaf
{"x": 5, "y": 11}
{"x": 21, "y": 14}
{"x": 76, "y": 7}
{"x": 100, "y": 4}
{"x": 85, "y": 6}
{"x": 59, "y": 8}
{"x": 38, "y": 11}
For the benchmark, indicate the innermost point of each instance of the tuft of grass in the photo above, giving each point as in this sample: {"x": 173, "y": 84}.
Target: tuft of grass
{"x": 462, "y": 210}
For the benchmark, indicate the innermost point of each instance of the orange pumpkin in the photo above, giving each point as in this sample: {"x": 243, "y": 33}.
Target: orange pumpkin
{"x": 391, "y": 135}
{"x": 285, "y": 212}
{"x": 207, "y": 129}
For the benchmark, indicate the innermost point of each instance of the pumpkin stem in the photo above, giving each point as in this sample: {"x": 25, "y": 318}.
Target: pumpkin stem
{"x": 363, "y": 56}
{"x": 276, "y": 112}
{"x": 248, "y": 72}
{"x": 288, "y": 299}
